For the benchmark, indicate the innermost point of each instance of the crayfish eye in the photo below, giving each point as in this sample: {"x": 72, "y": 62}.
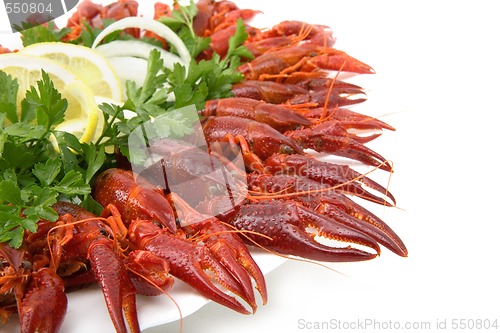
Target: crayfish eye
{"x": 285, "y": 149}
{"x": 103, "y": 232}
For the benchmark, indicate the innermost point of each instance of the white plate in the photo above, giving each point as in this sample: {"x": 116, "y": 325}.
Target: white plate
{"x": 87, "y": 311}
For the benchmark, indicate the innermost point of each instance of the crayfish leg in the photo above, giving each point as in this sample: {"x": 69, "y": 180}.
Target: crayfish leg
{"x": 149, "y": 273}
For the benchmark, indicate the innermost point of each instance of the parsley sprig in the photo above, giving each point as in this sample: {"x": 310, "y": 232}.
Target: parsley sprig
{"x": 181, "y": 22}
{"x": 205, "y": 80}
{"x": 214, "y": 78}
{"x": 41, "y": 33}
{"x": 144, "y": 105}
{"x": 40, "y": 165}
{"x": 33, "y": 173}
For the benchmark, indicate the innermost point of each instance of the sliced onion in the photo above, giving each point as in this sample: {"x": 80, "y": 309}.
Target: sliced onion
{"x": 130, "y": 68}
{"x": 151, "y": 25}
{"x": 133, "y": 69}
{"x": 138, "y": 49}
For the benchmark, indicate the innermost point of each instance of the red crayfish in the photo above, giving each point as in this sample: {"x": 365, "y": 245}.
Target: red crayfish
{"x": 194, "y": 214}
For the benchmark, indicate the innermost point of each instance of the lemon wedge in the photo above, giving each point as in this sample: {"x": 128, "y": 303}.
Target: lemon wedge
{"x": 83, "y": 117}
{"x": 90, "y": 66}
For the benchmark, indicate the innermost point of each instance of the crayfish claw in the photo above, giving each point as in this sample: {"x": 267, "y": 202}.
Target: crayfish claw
{"x": 230, "y": 250}
{"x": 224, "y": 245}
{"x": 188, "y": 261}
{"x": 227, "y": 278}
{"x": 340, "y": 177}
{"x": 377, "y": 187}
{"x": 320, "y": 198}
{"x": 340, "y": 145}
{"x": 337, "y": 60}
{"x": 288, "y": 225}
{"x": 347, "y": 117}
{"x": 44, "y": 305}
{"x": 116, "y": 286}
{"x": 380, "y": 231}
{"x": 343, "y": 210}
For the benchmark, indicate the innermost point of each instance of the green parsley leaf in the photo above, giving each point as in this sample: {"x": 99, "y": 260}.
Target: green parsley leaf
{"x": 72, "y": 184}
{"x": 94, "y": 158}
{"x": 47, "y": 101}
{"x": 33, "y": 176}
{"x": 41, "y": 33}
{"x": 48, "y": 171}
{"x": 181, "y": 22}
{"x": 10, "y": 192}
{"x": 236, "y": 47}
{"x": 8, "y": 99}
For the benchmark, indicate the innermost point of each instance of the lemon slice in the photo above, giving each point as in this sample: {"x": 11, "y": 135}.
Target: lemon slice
{"x": 90, "y": 66}
{"x": 84, "y": 120}
{"x": 83, "y": 117}
{"x": 28, "y": 70}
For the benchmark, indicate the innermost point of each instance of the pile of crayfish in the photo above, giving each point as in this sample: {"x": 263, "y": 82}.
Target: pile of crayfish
{"x": 281, "y": 200}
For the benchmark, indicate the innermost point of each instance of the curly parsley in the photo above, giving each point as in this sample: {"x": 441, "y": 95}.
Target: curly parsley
{"x": 34, "y": 174}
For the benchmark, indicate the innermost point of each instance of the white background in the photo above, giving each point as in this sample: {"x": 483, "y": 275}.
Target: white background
{"x": 437, "y": 83}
